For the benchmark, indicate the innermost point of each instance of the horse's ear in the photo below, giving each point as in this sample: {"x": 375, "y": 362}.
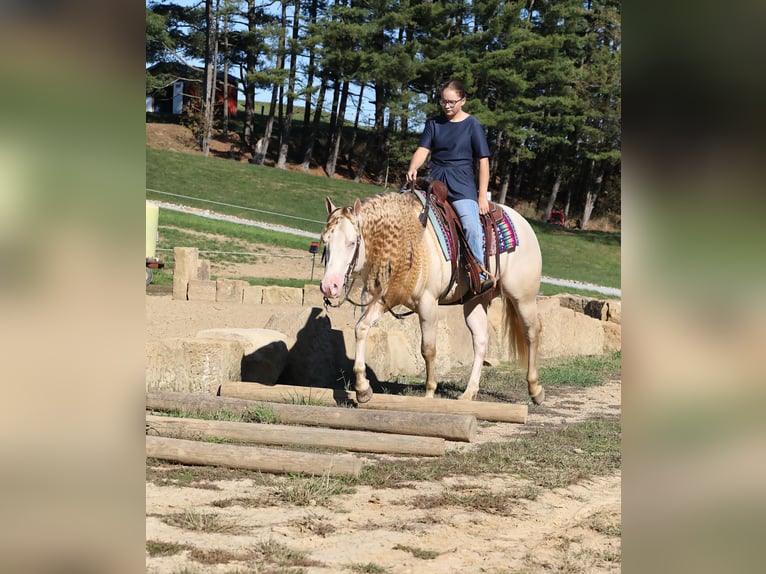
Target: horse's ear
{"x": 357, "y": 207}
{"x": 329, "y": 204}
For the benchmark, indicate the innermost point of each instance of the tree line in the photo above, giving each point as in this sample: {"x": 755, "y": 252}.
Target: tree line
{"x": 543, "y": 76}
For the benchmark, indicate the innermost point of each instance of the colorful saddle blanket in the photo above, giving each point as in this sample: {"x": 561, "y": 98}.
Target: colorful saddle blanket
{"x": 505, "y": 240}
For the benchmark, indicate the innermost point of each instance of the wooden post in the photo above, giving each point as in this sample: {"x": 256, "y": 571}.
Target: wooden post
{"x": 502, "y": 412}
{"x": 359, "y": 441}
{"x": 451, "y": 427}
{"x": 251, "y": 457}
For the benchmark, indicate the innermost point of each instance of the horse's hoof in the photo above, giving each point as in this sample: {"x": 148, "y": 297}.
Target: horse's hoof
{"x": 466, "y": 396}
{"x": 364, "y": 396}
{"x": 539, "y": 397}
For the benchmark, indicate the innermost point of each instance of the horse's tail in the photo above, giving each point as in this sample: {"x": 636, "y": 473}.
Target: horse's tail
{"x": 514, "y": 330}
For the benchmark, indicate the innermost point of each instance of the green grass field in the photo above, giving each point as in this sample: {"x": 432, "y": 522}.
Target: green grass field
{"x": 267, "y": 194}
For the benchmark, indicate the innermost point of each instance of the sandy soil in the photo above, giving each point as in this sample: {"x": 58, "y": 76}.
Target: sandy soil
{"x": 561, "y": 530}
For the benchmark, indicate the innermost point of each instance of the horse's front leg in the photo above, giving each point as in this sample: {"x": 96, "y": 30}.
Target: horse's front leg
{"x": 475, "y": 314}
{"x": 428, "y": 313}
{"x": 371, "y": 314}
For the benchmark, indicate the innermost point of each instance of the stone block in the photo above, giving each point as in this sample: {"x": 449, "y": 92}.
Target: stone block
{"x": 200, "y": 290}
{"x": 184, "y": 269}
{"x": 273, "y": 295}
{"x": 192, "y": 365}
{"x": 253, "y": 295}
{"x": 229, "y": 290}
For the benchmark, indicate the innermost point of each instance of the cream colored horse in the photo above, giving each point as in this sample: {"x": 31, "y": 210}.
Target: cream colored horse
{"x": 380, "y": 240}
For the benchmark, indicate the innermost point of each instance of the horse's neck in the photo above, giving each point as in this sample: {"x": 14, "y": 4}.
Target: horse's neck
{"x": 392, "y": 264}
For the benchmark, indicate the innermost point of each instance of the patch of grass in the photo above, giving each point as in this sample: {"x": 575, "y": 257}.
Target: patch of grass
{"x": 258, "y": 413}
{"x": 307, "y": 400}
{"x": 243, "y": 501}
{"x": 588, "y": 256}
{"x": 548, "y": 458}
{"x": 484, "y": 501}
{"x": 271, "y": 552}
{"x": 315, "y": 525}
{"x": 605, "y": 523}
{"x": 215, "y": 556}
{"x": 165, "y": 473}
{"x": 311, "y": 490}
{"x": 369, "y": 568}
{"x": 507, "y": 383}
{"x": 417, "y": 552}
{"x": 202, "y": 522}
{"x": 160, "y": 548}
{"x": 582, "y": 371}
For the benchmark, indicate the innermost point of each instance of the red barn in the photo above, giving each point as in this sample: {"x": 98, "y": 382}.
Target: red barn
{"x": 183, "y": 90}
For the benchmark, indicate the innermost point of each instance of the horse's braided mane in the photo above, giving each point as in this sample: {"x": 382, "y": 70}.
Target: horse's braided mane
{"x": 393, "y": 239}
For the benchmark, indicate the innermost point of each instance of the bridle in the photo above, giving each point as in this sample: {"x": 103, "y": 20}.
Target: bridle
{"x": 348, "y": 281}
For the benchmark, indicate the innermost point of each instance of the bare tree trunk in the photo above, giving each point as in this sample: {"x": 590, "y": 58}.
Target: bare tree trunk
{"x": 374, "y": 142}
{"x": 226, "y": 73}
{"x": 554, "y": 194}
{"x": 350, "y": 158}
{"x": 208, "y": 93}
{"x": 332, "y": 157}
{"x": 287, "y": 124}
{"x": 313, "y": 9}
{"x": 311, "y": 138}
{"x": 591, "y": 196}
{"x": 262, "y": 147}
{"x": 251, "y": 59}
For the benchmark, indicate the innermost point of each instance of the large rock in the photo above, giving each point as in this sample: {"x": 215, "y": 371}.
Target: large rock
{"x": 567, "y": 332}
{"x": 265, "y": 351}
{"x": 192, "y": 365}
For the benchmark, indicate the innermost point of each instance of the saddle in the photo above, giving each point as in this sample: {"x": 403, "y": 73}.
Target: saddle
{"x": 436, "y": 195}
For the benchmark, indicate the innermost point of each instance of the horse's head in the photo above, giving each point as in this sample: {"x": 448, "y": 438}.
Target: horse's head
{"x": 344, "y": 250}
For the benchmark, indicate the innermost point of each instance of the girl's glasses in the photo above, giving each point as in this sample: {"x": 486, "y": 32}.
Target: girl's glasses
{"x": 450, "y": 102}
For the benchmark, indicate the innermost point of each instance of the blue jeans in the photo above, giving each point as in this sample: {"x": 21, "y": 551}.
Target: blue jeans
{"x": 468, "y": 212}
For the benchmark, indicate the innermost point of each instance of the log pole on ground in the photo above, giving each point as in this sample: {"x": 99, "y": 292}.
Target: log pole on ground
{"x": 459, "y": 427}
{"x": 272, "y": 434}
{"x": 251, "y": 457}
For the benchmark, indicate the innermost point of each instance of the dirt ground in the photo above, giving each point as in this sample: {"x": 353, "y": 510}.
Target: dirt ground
{"x": 562, "y": 530}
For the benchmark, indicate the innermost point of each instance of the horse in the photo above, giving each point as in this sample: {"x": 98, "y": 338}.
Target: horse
{"x": 382, "y": 241}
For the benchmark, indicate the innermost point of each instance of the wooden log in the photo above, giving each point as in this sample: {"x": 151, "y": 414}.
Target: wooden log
{"x": 498, "y": 412}
{"x": 451, "y": 427}
{"x": 502, "y": 412}
{"x": 251, "y": 457}
{"x": 359, "y": 441}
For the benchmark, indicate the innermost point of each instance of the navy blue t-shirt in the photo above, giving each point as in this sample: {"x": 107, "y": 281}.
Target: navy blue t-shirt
{"x": 454, "y": 147}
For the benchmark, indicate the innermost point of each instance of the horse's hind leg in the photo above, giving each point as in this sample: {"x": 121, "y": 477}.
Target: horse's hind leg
{"x": 528, "y": 313}
{"x": 363, "y": 326}
{"x": 476, "y": 318}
